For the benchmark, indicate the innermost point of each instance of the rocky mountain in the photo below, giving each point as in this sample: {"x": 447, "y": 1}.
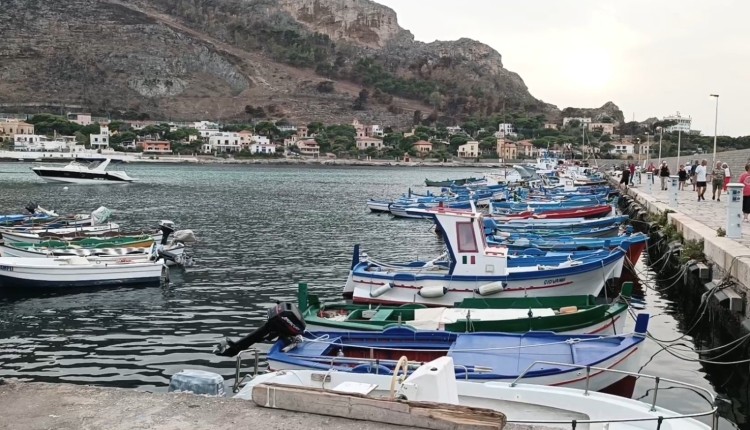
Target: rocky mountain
{"x": 608, "y": 110}
{"x": 306, "y": 60}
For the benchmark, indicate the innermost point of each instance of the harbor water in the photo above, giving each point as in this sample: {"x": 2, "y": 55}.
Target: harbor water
{"x": 262, "y": 230}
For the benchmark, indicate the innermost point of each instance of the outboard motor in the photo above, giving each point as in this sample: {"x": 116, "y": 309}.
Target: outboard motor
{"x": 284, "y": 321}
{"x": 167, "y": 228}
{"x": 31, "y": 207}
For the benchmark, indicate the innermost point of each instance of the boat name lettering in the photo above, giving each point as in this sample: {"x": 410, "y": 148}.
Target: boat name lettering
{"x": 6, "y": 268}
{"x": 553, "y": 281}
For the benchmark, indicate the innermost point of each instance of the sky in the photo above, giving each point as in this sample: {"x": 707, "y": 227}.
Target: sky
{"x": 653, "y": 58}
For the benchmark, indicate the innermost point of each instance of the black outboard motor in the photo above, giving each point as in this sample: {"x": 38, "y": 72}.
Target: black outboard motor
{"x": 284, "y": 321}
{"x": 31, "y": 207}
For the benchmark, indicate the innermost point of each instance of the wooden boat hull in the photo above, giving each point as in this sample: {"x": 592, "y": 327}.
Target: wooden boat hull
{"x": 72, "y": 272}
{"x": 364, "y": 285}
{"x": 36, "y": 236}
{"x": 479, "y": 357}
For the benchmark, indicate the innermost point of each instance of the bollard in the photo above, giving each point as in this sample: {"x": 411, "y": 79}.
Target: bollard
{"x": 734, "y": 210}
{"x": 649, "y": 181}
{"x": 673, "y": 191}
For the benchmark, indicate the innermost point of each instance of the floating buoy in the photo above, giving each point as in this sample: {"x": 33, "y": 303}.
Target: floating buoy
{"x": 491, "y": 288}
{"x": 380, "y": 290}
{"x": 432, "y": 292}
{"x": 65, "y": 188}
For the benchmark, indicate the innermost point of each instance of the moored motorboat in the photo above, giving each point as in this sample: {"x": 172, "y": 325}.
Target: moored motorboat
{"x": 435, "y": 386}
{"x": 500, "y": 357}
{"x": 76, "y": 172}
{"x": 39, "y": 235}
{"x": 77, "y": 272}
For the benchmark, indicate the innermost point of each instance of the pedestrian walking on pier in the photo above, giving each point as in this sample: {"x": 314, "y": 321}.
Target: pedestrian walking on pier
{"x": 745, "y": 180}
{"x": 683, "y": 174}
{"x": 625, "y": 179}
{"x": 717, "y": 181}
{"x": 664, "y": 174}
{"x": 700, "y": 179}
{"x": 727, "y": 175}
{"x": 632, "y": 173}
{"x": 692, "y": 174}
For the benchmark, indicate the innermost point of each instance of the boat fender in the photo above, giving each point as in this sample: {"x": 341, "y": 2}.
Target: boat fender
{"x": 568, "y": 310}
{"x": 381, "y": 290}
{"x": 432, "y": 292}
{"x": 491, "y": 288}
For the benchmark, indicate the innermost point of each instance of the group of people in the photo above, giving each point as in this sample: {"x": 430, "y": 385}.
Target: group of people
{"x": 697, "y": 173}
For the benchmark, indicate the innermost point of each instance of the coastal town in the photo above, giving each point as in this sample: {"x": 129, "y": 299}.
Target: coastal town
{"x": 44, "y": 136}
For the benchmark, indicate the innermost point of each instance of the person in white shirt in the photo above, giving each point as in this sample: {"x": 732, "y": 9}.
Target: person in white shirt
{"x": 700, "y": 178}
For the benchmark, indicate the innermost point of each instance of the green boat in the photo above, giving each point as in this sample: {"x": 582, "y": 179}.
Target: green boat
{"x": 140, "y": 241}
{"x": 449, "y": 182}
{"x": 566, "y": 315}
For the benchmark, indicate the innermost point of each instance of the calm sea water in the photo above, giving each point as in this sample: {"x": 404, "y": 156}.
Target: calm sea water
{"x": 262, "y": 230}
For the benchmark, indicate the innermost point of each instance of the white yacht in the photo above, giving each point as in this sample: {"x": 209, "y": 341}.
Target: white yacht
{"x": 77, "y": 172}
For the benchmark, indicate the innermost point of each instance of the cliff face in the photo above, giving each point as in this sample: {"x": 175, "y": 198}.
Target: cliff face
{"x": 363, "y": 23}
{"x": 209, "y": 58}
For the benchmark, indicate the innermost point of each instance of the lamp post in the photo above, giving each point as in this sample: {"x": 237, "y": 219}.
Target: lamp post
{"x": 679, "y": 141}
{"x": 648, "y": 149}
{"x": 661, "y": 135}
{"x": 716, "y": 124}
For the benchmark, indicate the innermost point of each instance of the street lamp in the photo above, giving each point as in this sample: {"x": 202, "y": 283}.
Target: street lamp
{"x": 716, "y": 123}
{"x": 661, "y": 135}
{"x": 648, "y": 149}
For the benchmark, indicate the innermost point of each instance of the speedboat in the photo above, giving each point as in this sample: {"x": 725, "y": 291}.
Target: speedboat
{"x": 83, "y": 173}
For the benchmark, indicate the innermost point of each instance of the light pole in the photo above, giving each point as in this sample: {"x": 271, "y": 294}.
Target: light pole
{"x": 648, "y": 149}
{"x": 661, "y": 135}
{"x": 716, "y": 124}
{"x": 679, "y": 141}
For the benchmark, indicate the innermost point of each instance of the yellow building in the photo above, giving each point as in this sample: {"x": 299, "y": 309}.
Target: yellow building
{"x": 10, "y": 128}
{"x": 469, "y": 149}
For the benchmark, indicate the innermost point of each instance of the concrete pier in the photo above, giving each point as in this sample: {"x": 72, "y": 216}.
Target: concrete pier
{"x": 37, "y": 406}
{"x": 701, "y": 220}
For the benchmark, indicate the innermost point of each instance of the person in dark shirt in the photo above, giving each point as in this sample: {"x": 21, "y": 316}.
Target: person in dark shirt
{"x": 683, "y": 174}
{"x": 664, "y": 174}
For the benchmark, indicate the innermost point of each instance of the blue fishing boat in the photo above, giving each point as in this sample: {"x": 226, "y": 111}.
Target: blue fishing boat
{"x": 634, "y": 244}
{"x": 479, "y": 357}
{"x": 510, "y": 225}
{"x": 473, "y": 268}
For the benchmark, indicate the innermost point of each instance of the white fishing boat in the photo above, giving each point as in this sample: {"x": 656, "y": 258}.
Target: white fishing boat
{"x": 38, "y": 235}
{"x": 76, "y": 172}
{"x": 78, "y": 272}
{"x": 433, "y": 386}
{"x": 472, "y": 268}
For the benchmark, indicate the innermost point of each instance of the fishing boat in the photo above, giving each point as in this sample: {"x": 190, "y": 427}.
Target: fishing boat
{"x": 564, "y": 315}
{"x": 495, "y": 223}
{"x": 426, "y": 393}
{"x": 449, "y": 182}
{"x": 473, "y": 268}
{"x": 521, "y": 243}
{"x": 139, "y": 241}
{"x": 38, "y": 235}
{"x": 500, "y": 357}
{"x": 76, "y": 172}
{"x": 78, "y": 272}
{"x": 590, "y": 212}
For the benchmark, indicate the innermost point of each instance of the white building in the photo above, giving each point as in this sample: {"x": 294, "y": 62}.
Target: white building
{"x": 36, "y": 142}
{"x": 222, "y": 143}
{"x": 262, "y": 148}
{"x": 622, "y": 148}
{"x": 283, "y": 128}
{"x": 453, "y": 130}
{"x": 206, "y": 128}
{"x": 584, "y": 121}
{"x": 369, "y": 142}
{"x": 375, "y": 131}
{"x": 101, "y": 140}
{"x": 505, "y": 130}
{"x": 682, "y": 123}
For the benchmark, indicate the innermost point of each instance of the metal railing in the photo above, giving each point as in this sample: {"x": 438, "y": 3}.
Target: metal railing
{"x": 238, "y": 368}
{"x": 710, "y": 398}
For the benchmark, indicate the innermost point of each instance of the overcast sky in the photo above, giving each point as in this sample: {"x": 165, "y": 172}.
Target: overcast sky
{"x": 651, "y": 58}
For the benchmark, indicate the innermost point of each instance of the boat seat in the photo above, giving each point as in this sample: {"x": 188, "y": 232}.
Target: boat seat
{"x": 382, "y": 315}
